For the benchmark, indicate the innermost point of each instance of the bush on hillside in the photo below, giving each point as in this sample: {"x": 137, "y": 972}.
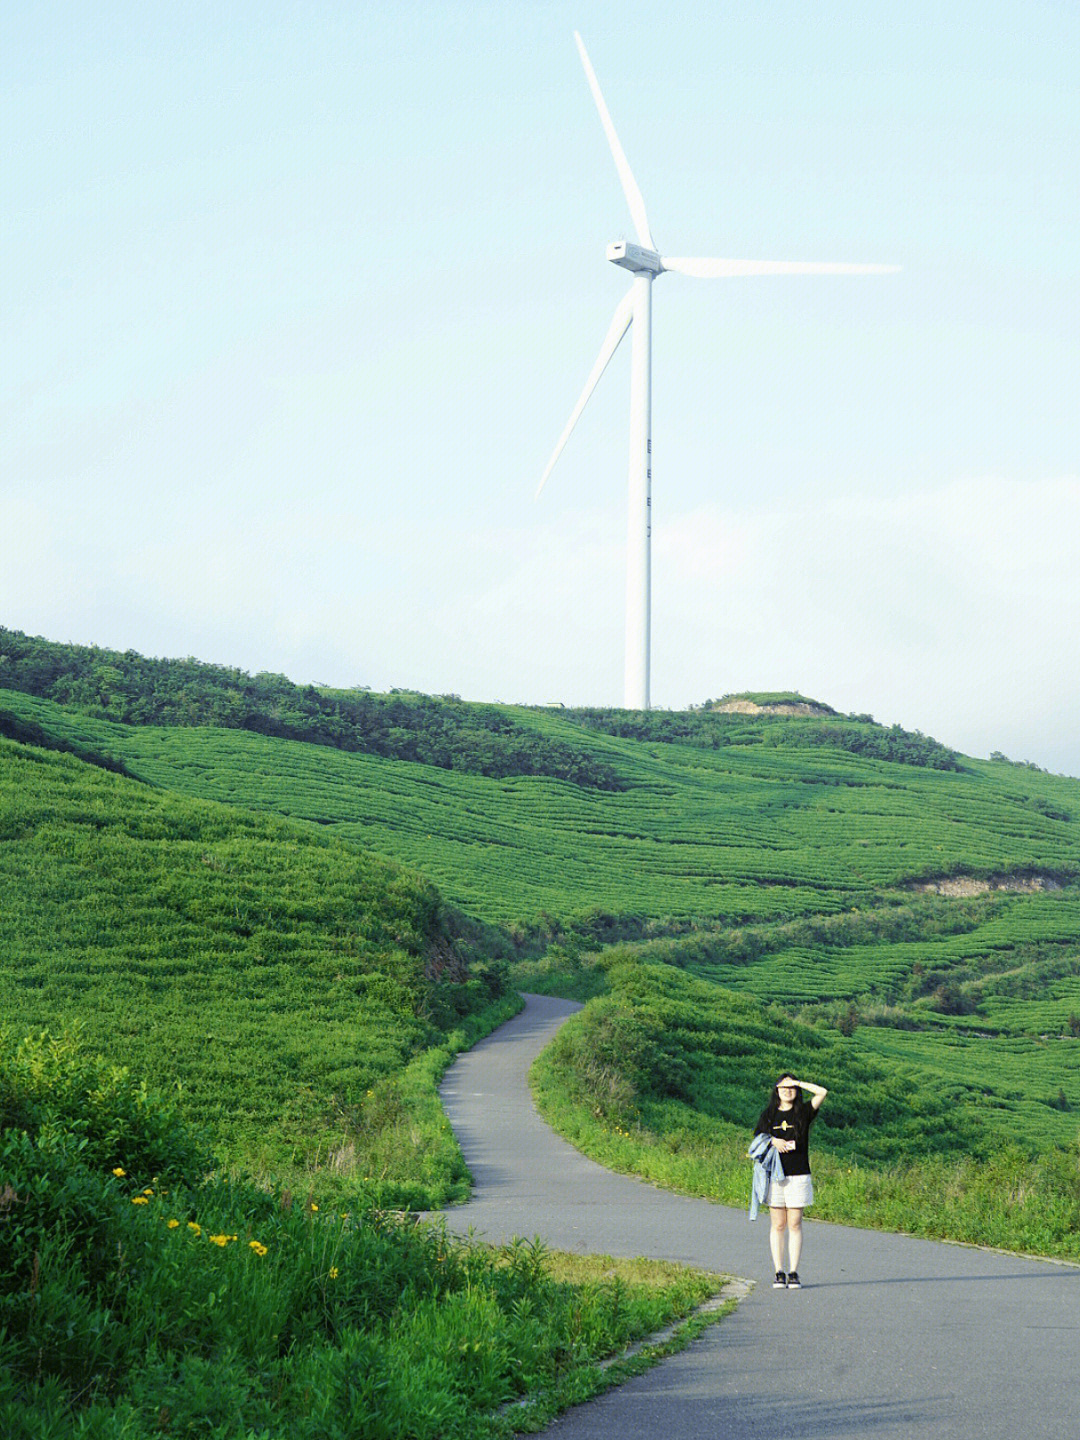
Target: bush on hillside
{"x": 444, "y": 732}
{"x": 82, "y": 1147}
{"x": 66, "y": 1101}
{"x": 706, "y": 729}
{"x": 662, "y": 1037}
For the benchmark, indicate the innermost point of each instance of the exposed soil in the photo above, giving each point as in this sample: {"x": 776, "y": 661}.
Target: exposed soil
{"x": 750, "y": 707}
{"x": 961, "y": 887}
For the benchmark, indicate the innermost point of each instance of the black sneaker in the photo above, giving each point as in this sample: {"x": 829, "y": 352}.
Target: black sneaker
{"x": 781, "y": 1281}
{"x": 793, "y": 1281}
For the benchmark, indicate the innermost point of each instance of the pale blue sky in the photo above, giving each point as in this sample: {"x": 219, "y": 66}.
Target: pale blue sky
{"x": 297, "y": 300}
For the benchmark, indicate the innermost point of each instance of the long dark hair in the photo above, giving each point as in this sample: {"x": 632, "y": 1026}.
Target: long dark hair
{"x": 797, "y": 1105}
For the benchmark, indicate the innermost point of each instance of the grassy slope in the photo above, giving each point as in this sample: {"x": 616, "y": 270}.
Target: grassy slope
{"x": 280, "y": 975}
{"x": 1011, "y": 966}
{"x": 737, "y": 834}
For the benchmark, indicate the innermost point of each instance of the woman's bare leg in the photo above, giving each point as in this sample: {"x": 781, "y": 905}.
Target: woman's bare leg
{"x": 777, "y": 1221}
{"x": 794, "y": 1238}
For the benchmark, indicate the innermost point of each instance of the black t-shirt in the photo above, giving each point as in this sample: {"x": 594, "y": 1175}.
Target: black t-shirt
{"x": 793, "y": 1124}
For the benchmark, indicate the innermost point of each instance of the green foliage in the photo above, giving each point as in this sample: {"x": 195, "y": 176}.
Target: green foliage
{"x": 51, "y": 1087}
{"x": 72, "y": 1127}
{"x": 479, "y": 740}
{"x": 27, "y": 732}
{"x": 978, "y": 992}
{"x": 740, "y": 835}
{"x": 661, "y": 1035}
{"x": 710, "y": 730}
{"x": 223, "y": 1309}
{"x": 396, "y": 1144}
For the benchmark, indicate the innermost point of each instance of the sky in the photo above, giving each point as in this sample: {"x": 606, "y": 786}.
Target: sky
{"x": 297, "y": 299}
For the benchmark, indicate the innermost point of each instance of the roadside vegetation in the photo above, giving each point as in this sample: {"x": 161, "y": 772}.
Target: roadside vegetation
{"x": 140, "y": 1297}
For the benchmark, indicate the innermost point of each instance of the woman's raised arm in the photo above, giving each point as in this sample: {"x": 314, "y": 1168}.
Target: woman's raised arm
{"x": 817, "y": 1092}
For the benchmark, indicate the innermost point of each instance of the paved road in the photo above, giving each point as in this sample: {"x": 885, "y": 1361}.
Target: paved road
{"x": 891, "y": 1338}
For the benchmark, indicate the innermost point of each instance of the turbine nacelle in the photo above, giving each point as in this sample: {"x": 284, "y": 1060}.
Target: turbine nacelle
{"x": 635, "y": 258}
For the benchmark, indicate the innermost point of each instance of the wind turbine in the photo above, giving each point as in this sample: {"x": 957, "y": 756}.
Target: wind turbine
{"x": 635, "y": 308}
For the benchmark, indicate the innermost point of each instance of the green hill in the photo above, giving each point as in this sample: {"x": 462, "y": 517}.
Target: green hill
{"x": 916, "y": 907}
{"x": 281, "y": 977}
{"x": 772, "y": 827}
{"x": 110, "y": 685}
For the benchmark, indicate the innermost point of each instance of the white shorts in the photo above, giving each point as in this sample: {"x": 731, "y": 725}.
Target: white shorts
{"x": 794, "y": 1192}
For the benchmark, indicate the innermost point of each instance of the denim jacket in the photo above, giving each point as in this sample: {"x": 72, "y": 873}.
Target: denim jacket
{"x": 767, "y": 1167}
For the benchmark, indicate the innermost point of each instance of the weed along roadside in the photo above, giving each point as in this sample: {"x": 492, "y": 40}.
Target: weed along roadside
{"x": 157, "y": 1298}
{"x": 634, "y": 1359}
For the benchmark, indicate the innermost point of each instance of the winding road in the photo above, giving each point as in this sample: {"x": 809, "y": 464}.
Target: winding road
{"x": 891, "y": 1338}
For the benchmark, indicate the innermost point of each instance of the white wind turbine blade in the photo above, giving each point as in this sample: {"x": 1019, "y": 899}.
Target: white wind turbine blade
{"x": 626, "y": 175}
{"x": 705, "y": 269}
{"x": 620, "y": 323}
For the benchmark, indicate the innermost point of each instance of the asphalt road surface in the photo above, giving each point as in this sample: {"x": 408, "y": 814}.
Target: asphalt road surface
{"x": 891, "y": 1338}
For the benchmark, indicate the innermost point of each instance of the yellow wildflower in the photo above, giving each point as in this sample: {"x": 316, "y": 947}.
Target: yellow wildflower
{"x": 174, "y": 1224}
{"x": 259, "y": 1249}
{"x": 195, "y": 1229}
{"x": 139, "y": 1200}
{"x": 221, "y": 1240}
{"x": 314, "y": 1206}
{"x": 119, "y": 1172}
{"x": 148, "y": 1192}
{"x": 333, "y": 1272}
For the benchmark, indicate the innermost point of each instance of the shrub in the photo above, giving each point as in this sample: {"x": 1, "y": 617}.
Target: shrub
{"x": 53, "y": 1090}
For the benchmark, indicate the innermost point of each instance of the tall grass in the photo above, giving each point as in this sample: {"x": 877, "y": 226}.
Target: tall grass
{"x": 138, "y": 1304}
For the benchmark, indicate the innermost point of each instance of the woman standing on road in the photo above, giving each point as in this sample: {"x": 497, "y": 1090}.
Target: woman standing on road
{"x": 786, "y": 1120}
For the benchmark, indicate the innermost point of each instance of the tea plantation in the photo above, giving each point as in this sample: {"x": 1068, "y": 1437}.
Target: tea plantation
{"x": 741, "y": 833}
{"x": 284, "y": 985}
{"x": 787, "y": 860}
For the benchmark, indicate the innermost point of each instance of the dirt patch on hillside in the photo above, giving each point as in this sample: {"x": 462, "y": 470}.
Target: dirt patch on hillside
{"x": 750, "y": 707}
{"x": 962, "y": 887}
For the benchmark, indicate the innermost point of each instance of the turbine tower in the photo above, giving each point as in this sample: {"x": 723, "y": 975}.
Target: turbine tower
{"x": 635, "y": 308}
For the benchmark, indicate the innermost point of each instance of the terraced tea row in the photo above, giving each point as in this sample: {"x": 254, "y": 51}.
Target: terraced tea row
{"x": 739, "y": 834}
